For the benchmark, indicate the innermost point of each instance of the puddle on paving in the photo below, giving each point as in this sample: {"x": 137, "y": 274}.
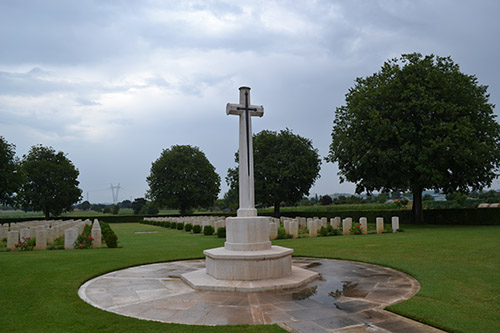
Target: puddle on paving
{"x": 327, "y": 292}
{"x": 305, "y": 293}
{"x": 313, "y": 264}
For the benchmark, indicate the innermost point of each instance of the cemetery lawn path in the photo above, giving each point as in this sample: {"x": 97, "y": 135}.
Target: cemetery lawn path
{"x": 457, "y": 267}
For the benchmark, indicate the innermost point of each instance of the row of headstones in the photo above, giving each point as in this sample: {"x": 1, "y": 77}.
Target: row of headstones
{"x": 45, "y": 232}
{"x": 214, "y": 221}
{"x": 314, "y": 225}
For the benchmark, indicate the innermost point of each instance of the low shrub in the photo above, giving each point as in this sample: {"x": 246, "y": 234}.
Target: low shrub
{"x": 173, "y": 225}
{"x": 197, "y": 229}
{"x": 208, "y": 230}
{"x": 108, "y": 235}
{"x": 26, "y": 244}
{"x": 356, "y": 229}
{"x": 84, "y": 241}
{"x": 221, "y": 232}
{"x": 323, "y": 232}
{"x": 167, "y": 224}
{"x": 58, "y": 244}
{"x": 188, "y": 227}
{"x": 282, "y": 234}
{"x": 180, "y": 226}
{"x": 111, "y": 240}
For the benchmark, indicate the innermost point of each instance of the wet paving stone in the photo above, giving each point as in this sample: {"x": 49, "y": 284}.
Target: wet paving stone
{"x": 349, "y": 297}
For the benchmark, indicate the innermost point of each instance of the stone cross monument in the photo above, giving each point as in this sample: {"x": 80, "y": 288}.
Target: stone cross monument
{"x": 248, "y": 254}
{"x": 246, "y": 179}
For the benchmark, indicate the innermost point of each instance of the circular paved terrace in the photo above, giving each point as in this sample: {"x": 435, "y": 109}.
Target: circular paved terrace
{"x": 348, "y": 297}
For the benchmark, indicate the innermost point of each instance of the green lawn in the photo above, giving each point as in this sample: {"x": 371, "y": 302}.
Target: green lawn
{"x": 458, "y": 268}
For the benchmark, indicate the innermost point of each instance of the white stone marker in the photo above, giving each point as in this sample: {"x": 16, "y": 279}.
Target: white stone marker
{"x": 41, "y": 240}
{"x": 395, "y": 223}
{"x": 25, "y": 234}
{"x": 3, "y": 232}
{"x": 324, "y": 222}
{"x": 311, "y": 226}
{"x": 12, "y": 239}
{"x": 286, "y": 226}
{"x": 246, "y": 174}
{"x": 294, "y": 229}
{"x": 346, "y": 226}
{"x": 95, "y": 233}
{"x": 51, "y": 235}
{"x": 318, "y": 224}
{"x": 335, "y": 222}
{"x": 70, "y": 236}
{"x": 380, "y": 225}
{"x": 273, "y": 231}
{"x": 364, "y": 225}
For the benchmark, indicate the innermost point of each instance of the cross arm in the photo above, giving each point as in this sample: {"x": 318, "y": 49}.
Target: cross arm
{"x": 238, "y": 109}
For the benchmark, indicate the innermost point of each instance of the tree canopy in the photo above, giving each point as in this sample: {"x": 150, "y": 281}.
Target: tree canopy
{"x": 286, "y": 165}
{"x": 418, "y": 123}
{"x": 10, "y": 178}
{"x": 183, "y": 178}
{"x": 50, "y": 181}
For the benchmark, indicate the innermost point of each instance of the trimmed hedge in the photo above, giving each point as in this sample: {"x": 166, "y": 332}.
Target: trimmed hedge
{"x": 455, "y": 216}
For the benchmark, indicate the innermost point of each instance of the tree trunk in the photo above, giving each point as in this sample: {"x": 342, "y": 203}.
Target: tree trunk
{"x": 277, "y": 209}
{"x": 417, "y": 211}
{"x": 46, "y": 212}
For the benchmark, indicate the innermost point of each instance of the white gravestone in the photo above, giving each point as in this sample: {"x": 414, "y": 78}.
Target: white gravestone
{"x": 3, "y": 232}
{"x": 41, "y": 240}
{"x": 70, "y": 236}
{"x": 364, "y": 225}
{"x": 311, "y": 226}
{"x": 335, "y": 222}
{"x": 273, "y": 231}
{"x": 294, "y": 229}
{"x": 12, "y": 240}
{"x": 96, "y": 234}
{"x": 380, "y": 225}
{"x": 395, "y": 223}
{"x": 346, "y": 226}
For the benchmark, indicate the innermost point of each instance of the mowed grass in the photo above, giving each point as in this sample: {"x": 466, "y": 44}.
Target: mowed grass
{"x": 457, "y": 267}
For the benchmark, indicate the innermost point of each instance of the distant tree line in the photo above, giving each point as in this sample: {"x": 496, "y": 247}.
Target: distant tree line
{"x": 43, "y": 180}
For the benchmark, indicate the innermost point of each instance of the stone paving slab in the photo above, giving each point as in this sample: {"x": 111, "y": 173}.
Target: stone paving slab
{"x": 348, "y": 297}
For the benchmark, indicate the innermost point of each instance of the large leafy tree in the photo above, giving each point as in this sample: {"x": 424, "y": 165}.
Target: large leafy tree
{"x": 418, "y": 123}
{"x": 286, "y": 165}
{"x": 10, "y": 178}
{"x": 50, "y": 183}
{"x": 183, "y": 178}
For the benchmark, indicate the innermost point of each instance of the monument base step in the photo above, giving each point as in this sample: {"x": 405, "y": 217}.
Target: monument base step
{"x": 200, "y": 280}
{"x": 273, "y": 263}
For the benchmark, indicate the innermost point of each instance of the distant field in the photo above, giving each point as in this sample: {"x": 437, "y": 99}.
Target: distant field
{"x": 333, "y": 208}
{"x": 76, "y": 212}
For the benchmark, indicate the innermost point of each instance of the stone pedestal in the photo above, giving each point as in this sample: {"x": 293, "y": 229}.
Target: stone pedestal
{"x": 248, "y": 255}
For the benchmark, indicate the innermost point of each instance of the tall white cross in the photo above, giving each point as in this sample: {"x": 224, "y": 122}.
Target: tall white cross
{"x": 246, "y": 180}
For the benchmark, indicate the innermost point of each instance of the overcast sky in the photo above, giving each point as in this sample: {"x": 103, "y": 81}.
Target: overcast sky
{"x": 113, "y": 83}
